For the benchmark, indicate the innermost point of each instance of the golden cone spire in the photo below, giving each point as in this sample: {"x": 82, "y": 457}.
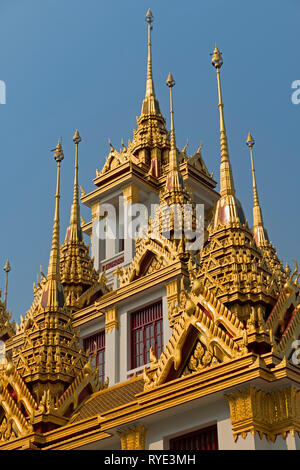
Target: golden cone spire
{"x": 174, "y": 179}
{"x": 226, "y": 178}
{"x": 74, "y": 232}
{"x": 77, "y": 272}
{"x": 229, "y": 209}
{"x": 259, "y": 232}
{"x": 150, "y": 103}
{"x": 53, "y": 296}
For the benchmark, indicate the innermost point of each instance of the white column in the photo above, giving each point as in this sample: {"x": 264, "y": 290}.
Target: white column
{"x": 156, "y": 445}
{"x": 97, "y": 244}
{"x": 112, "y": 345}
{"x": 130, "y": 196}
{"x": 292, "y": 442}
{"x": 226, "y": 441}
{"x": 111, "y": 236}
{"x": 112, "y": 356}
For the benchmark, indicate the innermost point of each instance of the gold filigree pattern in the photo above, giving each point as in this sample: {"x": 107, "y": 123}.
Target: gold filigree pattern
{"x": 133, "y": 438}
{"x": 199, "y": 359}
{"x": 268, "y": 414}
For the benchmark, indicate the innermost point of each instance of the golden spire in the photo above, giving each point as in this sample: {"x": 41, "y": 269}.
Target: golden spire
{"x": 174, "y": 179}
{"x": 7, "y": 269}
{"x": 150, "y": 103}
{"x": 77, "y": 272}
{"x": 53, "y": 291}
{"x": 229, "y": 209}
{"x": 259, "y": 232}
{"x": 74, "y": 232}
{"x": 226, "y": 178}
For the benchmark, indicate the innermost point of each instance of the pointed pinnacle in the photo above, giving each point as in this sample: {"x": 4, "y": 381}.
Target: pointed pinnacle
{"x": 76, "y": 137}
{"x": 217, "y": 60}
{"x": 7, "y": 267}
{"x": 170, "y": 81}
{"x": 149, "y": 16}
{"x": 250, "y": 141}
{"x": 58, "y": 152}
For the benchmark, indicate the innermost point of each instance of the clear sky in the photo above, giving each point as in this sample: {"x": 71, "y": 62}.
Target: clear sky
{"x": 70, "y": 63}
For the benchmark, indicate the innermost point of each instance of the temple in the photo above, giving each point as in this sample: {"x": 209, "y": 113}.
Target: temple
{"x": 178, "y": 330}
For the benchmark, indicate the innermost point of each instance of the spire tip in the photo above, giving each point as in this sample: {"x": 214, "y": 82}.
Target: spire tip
{"x": 170, "y": 81}
{"x": 149, "y": 16}
{"x": 76, "y": 137}
{"x": 250, "y": 141}
{"x": 217, "y": 59}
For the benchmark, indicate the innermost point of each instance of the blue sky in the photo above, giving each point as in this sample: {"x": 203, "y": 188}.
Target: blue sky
{"x": 69, "y": 64}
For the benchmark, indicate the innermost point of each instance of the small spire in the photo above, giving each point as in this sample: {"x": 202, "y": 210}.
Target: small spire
{"x": 74, "y": 232}
{"x": 53, "y": 292}
{"x": 226, "y": 178}
{"x": 260, "y": 234}
{"x": 150, "y": 103}
{"x": 174, "y": 179}
{"x": 7, "y": 269}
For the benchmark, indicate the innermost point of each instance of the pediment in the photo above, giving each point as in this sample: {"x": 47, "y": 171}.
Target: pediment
{"x": 113, "y": 161}
{"x": 149, "y": 264}
{"x": 92, "y": 294}
{"x": 151, "y": 256}
{"x": 206, "y": 334}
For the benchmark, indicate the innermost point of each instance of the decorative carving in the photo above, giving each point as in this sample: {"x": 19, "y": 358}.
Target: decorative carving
{"x": 133, "y": 438}
{"x": 95, "y": 211}
{"x": 6, "y": 430}
{"x": 131, "y": 193}
{"x": 111, "y": 320}
{"x": 268, "y": 414}
{"x": 199, "y": 359}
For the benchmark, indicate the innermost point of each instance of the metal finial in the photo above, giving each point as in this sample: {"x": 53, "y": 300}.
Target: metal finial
{"x": 7, "y": 267}
{"x": 58, "y": 152}
{"x": 170, "y": 81}
{"x": 149, "y": 16}
{"x": 250, "y": 141}
{"x": 217, "y": 60}
{"x": 76, "y": 137}
{"x": 74, "y": 230}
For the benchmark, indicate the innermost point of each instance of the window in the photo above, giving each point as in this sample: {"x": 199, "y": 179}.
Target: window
{"x": 146, "y": 331}
{"x": 203, "y": 439}
{"x": 99, "y": 361}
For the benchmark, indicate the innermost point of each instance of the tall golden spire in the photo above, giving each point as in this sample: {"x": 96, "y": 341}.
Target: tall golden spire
{"x": 53, "y": 296}
{"x": 259, "y": 232}
{"x": 77, "y": 272}
{"x": 74, "y": 232}
{"x": 174, "y": 179}
{"x": 226, "y": 179}
{"x": 150, "y": 103}
{"x": 229, "y": 209}
{"x": 7, "y": 269}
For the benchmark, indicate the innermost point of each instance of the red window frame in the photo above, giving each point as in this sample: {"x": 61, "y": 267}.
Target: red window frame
{"x": 202, "y": 439}
{"x": 89, "y": 344}
{"x": 146, "y": 331}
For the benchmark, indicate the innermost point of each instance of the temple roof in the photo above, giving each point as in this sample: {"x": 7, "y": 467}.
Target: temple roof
{"x": 109, "y": 398}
